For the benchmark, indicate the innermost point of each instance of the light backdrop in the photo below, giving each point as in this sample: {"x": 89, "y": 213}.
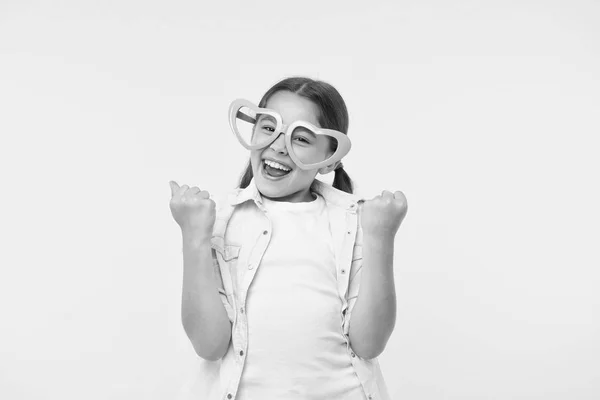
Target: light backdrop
{"x": 485, "y": 114}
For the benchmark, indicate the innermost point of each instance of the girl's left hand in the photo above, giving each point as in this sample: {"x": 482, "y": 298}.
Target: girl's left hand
{"x": 383, "y": 214}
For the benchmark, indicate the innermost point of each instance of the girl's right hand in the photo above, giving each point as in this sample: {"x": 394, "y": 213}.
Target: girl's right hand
{"x": 192, "y": 209}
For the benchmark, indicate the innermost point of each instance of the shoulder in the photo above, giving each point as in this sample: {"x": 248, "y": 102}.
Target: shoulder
{"x": 234, "y": 202}
{"x": 335, "y": 197}
{"x": 226, "y": 200}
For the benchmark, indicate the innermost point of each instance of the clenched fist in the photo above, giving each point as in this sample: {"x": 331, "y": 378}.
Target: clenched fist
{"x": 383, "y": 214}
{"x": 192, "y": 209}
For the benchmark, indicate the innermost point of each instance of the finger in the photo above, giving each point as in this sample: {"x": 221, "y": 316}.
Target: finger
{"x": 204, "y": 194}
{"x": 387, "y": 195}
{"x": 194, "y": 190}
{"x": 398, "y": 195}
{"x": 182, "y": 190}
{"x": 174, "y": 187}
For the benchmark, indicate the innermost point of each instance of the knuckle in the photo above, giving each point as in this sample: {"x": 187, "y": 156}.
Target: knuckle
{"x": 190, "y": 200}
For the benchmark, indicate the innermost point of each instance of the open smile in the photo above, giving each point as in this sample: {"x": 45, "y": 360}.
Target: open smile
{"x": 273, "y": 171}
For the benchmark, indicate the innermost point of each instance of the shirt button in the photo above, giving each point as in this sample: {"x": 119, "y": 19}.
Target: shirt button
{"x": 242, "y": 310}
{"x": 265, "y": 232}
{"x": 250, "y": 266}
{"x": 241, "y": 352}
{"x": 370, "y": 397}
{"x": 349, "y": 232}
{"x": 229, "y": 395}
{"x": 343, "y": 271}
{"x": 353, "y": 355}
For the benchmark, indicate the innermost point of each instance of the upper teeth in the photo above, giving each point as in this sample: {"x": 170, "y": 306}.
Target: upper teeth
{"x": 274, "y": 164}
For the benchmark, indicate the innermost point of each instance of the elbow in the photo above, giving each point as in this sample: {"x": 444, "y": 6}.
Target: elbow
{"x": 369, "y": 345}
{"x": 366, "y": 349}
{"x": 210, "y": 350}
{"x": 369, "y": 353}
{"x": 210, "y": 353}
{"x": 203, "y": 352}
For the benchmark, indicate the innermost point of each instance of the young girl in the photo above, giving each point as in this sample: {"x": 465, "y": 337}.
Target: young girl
{"x": 288, "y": 287}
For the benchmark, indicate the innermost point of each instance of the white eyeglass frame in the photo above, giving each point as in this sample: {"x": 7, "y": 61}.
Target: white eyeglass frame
{"x": 344, "y": 143}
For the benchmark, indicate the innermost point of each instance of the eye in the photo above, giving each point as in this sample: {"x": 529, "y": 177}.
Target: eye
{"x": 301, "y": 139}
{"x": 267, "y": 128}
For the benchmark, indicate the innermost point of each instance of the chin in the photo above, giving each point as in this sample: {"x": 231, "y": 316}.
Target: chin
{"x": 268, "y": 189}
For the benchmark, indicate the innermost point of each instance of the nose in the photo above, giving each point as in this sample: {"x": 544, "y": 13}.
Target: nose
{"x": 279, "y": 144}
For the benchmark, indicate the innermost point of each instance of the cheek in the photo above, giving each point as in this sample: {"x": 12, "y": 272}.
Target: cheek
{"x": 329, "y": 146}
{"x": 307, "y": 176}
{"x": 322, "y": 148}
{"x": 314, "y": 155}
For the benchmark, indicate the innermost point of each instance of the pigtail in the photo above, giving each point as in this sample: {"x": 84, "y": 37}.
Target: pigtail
{"x": 246, "y": 176}
{"x": 342, "y": 181}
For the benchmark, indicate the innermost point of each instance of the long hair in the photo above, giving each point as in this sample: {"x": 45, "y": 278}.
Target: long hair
{"x": 333, "y": 115}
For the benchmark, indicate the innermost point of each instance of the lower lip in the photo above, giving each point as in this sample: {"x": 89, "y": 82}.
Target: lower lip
{"x": 269, "y": 177}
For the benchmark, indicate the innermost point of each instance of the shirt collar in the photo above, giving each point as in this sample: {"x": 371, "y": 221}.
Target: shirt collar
{"x": 242, "y": 195}
{"x": 329, "y": 193}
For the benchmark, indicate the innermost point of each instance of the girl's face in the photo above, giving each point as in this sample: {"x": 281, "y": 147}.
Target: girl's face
{"x": 294, "y": 186}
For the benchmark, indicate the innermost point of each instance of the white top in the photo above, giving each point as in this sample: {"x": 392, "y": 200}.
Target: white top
{"x": 241, "y": 237}
{"x": 296, "y": 346}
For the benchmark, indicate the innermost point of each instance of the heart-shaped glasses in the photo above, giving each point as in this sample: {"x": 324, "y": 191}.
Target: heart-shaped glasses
{"x": 309, "y": 146}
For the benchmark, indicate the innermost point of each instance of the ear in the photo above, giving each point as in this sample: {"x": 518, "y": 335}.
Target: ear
{"x": 329, "y": 168}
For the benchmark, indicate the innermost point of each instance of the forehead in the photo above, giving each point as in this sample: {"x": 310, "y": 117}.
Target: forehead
{"x": 293, "y": 108}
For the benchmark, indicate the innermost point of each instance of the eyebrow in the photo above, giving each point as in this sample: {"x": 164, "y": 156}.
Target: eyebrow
{"x": 309, "y": 132}
{"x": 267, "y": 117}
{"x": 312, "y": 135}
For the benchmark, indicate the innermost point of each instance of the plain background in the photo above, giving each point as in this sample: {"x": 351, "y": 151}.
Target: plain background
{"x": 484, "y": 113}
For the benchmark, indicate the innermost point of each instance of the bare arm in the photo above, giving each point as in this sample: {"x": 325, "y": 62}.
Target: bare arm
{"x": 373, "y": 318}
{"x": 203, "y": 315}
{"x": 374, "y": 315}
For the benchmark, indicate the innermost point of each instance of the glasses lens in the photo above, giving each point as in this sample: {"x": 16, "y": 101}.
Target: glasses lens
{"x": 311, "y": 148}
{"x": 254, "y": 128}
